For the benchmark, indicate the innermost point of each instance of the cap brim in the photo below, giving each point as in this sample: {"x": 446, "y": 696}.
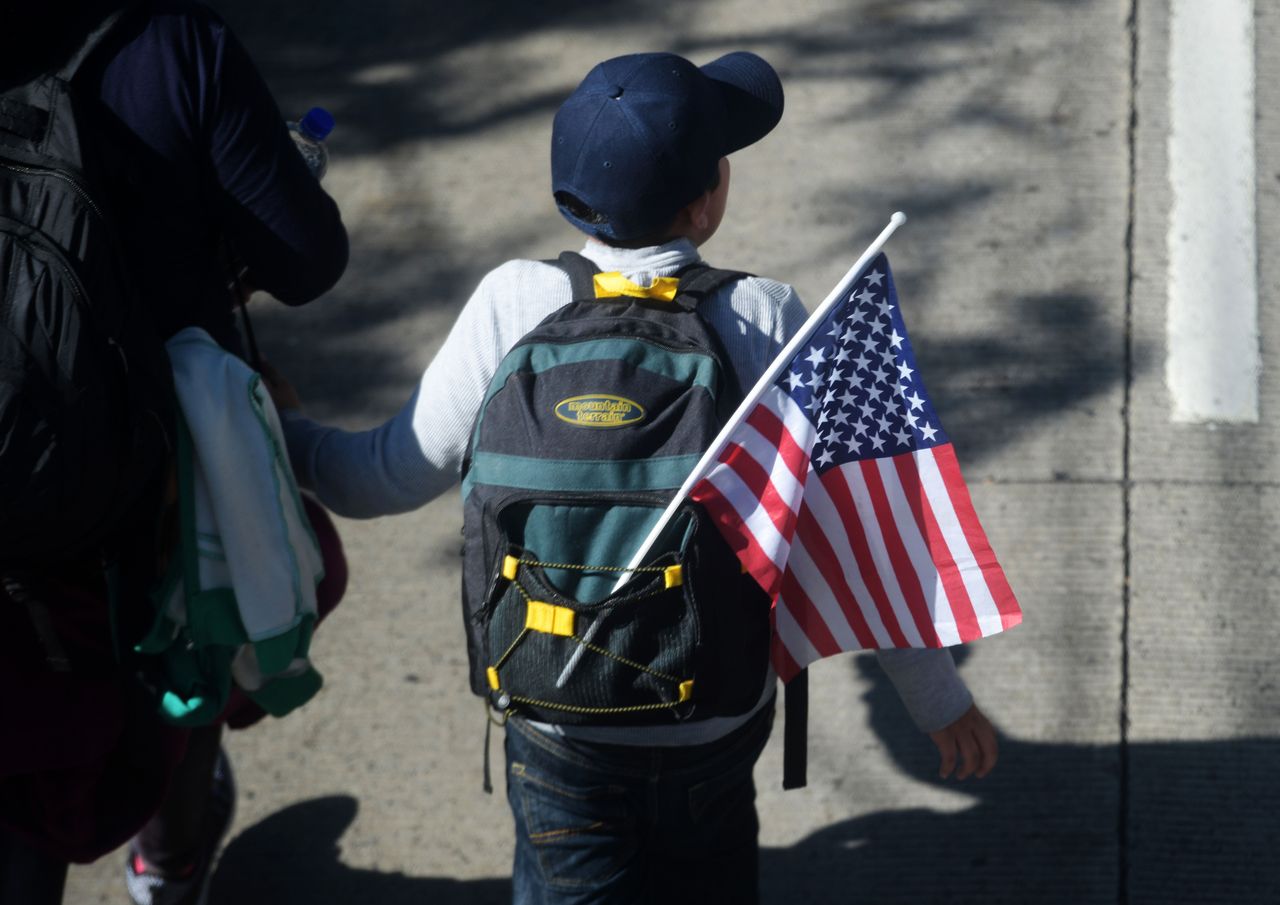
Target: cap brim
{"x": 752, "y": 94}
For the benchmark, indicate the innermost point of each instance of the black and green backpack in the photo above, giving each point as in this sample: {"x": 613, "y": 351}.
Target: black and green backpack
{"x": 591, "y": 423}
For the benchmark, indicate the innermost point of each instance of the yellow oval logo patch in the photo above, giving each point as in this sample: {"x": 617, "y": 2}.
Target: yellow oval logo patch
{"x": 599, "y": 410}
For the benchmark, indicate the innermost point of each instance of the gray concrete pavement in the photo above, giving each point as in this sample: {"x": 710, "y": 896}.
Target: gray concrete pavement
{"x": 1025, "y": 141}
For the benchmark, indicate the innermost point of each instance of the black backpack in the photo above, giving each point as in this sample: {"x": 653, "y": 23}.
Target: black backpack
{"x": 85, "y": 388}
{"x": 589, "y": 426}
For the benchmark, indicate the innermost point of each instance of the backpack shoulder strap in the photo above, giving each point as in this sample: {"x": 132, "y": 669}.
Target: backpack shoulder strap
{"x": 699, "y": 280}
{"x": 27, "y": 109}
{"x": 93, "y": 40}
{"x": 581, "y": 271}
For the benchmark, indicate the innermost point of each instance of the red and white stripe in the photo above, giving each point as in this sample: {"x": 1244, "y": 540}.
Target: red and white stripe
{"x": 754, "y": 490}
{"x": 879, "y": 553}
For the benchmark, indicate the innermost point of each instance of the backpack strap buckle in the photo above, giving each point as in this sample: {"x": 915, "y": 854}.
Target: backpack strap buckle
{"x": 42, "y": 622}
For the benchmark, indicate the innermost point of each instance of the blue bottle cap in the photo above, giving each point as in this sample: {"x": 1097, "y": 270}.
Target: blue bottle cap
{"x": 317, "y": 124}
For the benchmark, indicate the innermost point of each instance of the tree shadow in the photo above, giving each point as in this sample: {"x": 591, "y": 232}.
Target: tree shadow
{"x": 1047, "y": 355}
{"x": 397, "y": 74}
{"x": 294, "y": 856}
{"x": 394, "y": 71}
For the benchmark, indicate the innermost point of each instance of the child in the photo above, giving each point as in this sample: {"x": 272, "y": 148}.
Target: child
{"x": 612, "y": 813}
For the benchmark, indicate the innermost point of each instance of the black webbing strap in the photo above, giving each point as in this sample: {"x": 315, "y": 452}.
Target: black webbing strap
{"x": 23, "y": 120}
{"x": 795, "y": 737}
{"x": 41, "y": 622}
{"x": 242, "y": 300}
{"x": 581, "y": 273}
{"x": 488, "y": 734}
{"x": 92, "y": 40}
{"x": 697, "y": 281}
{"x": 31, "y": 123}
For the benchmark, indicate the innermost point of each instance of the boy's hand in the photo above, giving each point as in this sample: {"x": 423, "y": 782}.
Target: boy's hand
{"x": 971, "y": 740}
{"x": 282, "y": 392}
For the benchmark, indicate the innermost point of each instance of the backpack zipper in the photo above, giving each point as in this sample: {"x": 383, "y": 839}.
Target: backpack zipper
{"x": 44, "y": 248}
{"x": 47, "y": 250}
{"x": 687, "y": 348}
{"x": 57, "y": 174}
{"x": 729, "y": 382}
{"x": 50, "y": 246}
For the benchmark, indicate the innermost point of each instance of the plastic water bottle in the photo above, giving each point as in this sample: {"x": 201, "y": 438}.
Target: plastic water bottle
{"x": 309, "y": 134}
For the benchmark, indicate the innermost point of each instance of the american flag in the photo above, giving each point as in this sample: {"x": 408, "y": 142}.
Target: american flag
{"x": 842, "y": 495}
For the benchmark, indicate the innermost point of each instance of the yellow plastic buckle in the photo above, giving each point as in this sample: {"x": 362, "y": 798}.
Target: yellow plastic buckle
{"x": 673, "y": 576}
{"x": 686, "y": 690}
{"x": 549, "y": 619}
{"x": 509, "y": 566}
{"x": 493, "y": 678}
{"x": 613, "y": 284}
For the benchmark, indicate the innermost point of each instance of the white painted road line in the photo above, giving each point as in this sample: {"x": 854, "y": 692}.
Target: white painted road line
{"x": 1213, "y": 354}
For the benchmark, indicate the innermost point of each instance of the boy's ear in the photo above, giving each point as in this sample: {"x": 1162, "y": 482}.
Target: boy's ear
{"x": 696, "y": 211}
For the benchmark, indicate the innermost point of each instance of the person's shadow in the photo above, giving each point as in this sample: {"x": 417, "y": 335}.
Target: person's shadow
{"x": 293, "y": 856}
{"x": 1054, "y": 824}
{"x": 1158, "y": 822}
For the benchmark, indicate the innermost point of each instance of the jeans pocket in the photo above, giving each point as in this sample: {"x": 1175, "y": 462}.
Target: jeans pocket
{"x": 582, "y": 833}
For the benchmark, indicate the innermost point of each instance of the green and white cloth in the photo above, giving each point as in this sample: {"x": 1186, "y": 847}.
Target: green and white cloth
{"x": 238, "y": 602}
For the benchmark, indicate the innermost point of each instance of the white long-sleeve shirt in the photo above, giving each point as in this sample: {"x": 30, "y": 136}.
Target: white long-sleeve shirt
{"x": 415, "y": 456}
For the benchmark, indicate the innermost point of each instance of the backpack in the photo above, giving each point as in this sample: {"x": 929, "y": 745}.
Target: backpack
{"x": 84, "y": 405}
{"x": 588, "y": 428}
{"x": 85, "y": 397}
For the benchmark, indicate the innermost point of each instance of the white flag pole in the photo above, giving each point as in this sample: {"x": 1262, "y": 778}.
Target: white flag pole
{"x": 762, "y": 385}
{"x": 766, "y": 380}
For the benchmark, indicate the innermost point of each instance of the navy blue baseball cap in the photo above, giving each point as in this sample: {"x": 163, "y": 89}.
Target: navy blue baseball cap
{"x": 643, "y": 134}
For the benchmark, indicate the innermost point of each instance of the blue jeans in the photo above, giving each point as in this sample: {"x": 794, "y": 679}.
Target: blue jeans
{"x": 621, "y": 824}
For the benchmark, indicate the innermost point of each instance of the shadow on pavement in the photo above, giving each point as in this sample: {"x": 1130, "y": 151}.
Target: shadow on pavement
{"x": 1044, "y": 828}
{"x": 395, "y": 71}
{"x": 294, "y": 857}
{"x": 397, "y": 74}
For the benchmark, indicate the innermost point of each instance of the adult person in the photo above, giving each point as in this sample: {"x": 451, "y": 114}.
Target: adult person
{"x": 203, "y": 173}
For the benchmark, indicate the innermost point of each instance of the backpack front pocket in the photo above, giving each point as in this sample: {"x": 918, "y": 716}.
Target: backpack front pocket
{"x": 565, "y": 642}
